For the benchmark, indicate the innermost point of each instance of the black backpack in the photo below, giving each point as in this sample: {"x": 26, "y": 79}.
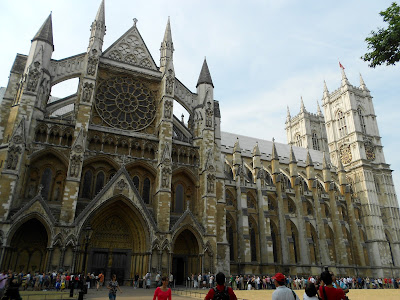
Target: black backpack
{"x": 221, "y": 295}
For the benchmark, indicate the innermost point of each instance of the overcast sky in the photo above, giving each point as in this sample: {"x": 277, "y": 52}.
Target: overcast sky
{"x": 262, "y": 55}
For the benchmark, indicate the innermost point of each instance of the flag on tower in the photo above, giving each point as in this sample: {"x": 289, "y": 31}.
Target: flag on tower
{"x": 340, "y": 65}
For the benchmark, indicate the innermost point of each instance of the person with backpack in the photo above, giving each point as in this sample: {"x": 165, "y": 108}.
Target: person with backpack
{"x": 282, "y": 292}
{"x": 220, "y": 292}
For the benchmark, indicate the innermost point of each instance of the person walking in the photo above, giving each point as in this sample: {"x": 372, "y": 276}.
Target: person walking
{"x": 100, "y": 281}
{"x": 220, "y": 291}
{"x": 282, "y": 292}
{"x": 163, "y": 292}
{"x": 113, "y": 286}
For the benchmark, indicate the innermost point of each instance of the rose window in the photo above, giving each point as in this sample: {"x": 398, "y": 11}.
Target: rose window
{"x": 126, "y": 104}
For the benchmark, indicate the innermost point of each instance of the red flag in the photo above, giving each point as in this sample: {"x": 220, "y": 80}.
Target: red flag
{"x": 340, "y": 65}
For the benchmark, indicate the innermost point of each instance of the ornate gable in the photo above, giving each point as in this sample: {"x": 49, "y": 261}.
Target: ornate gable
{"x": 131, "y": 49}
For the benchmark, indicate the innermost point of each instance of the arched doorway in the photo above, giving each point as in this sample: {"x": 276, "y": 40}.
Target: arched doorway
{"x": 185, "y": 260}
{"x": 28, "y": 248}
{"x": 118, "y": 242}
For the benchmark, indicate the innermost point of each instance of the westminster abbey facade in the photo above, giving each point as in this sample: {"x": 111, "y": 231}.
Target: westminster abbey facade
{"x": 117, "y": 183}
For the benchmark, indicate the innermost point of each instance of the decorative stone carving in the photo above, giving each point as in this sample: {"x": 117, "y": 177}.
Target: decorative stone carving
{"x": 87, "y": 91}
{"x": 44, "y": 93}
{"x": 210, "y": 183}
{"x": 167, "y": 109}
{"x": 121, "y": 185}
{"x": 75, "y": 165}
{"x": 33, "y": 77}
{"x": 92, "y": 63}
{"x": 169, "y": 83}
{"x": 165, "y": 177}
{"x": 209, "y": 115}
{"x": 13, "y": 157}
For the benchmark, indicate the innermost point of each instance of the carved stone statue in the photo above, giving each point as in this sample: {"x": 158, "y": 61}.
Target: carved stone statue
{"x": 210, "y": 183}
{"x": 92, "y": 63}
{"x": 87, "y": 91}
{"x": 167, "y": 109}
{"x": 165, "y": 177}
{"x": 75, "y": 165}
{"x": 33, "y": 77}
{"x": 169, "y": 84}
{"x": 209, "y": 115}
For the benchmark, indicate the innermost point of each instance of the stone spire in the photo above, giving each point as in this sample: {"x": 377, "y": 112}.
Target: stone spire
{"x": 98, "y": 29}
{"x": 256, "y": 150}
{"x": 274, "y": 159}
{"x": 167, "y": 48}
{"x": 362, "y": 84}
{"x": 345, "y": 81}
{"x": 256, "y": 157}
{"x": 326, "y": 172}
{"x": 309, "y": 161}
{"x": 326, "y": 92}
{"x": 45, "y": 32}
{"x": 205, "y": 76}
{"x": 319, "y": 113}
{"x": 302, "y": 107}
{"x": 274, "y": 153}
{"x": 325, "y": 164}
{"x": 288, "y": 117}
{"x": 341, "y": 173}
{"x": 292, "y": 157}
{"x": 236, "y": 147}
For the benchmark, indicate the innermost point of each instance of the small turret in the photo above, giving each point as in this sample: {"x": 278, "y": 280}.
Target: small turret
{"x": 274, "y": 159}
{"x": 292, "y": 163}
{"x": 167, "y": 48}
{"x": 205, "y": 76}
{"x": 362, "y": 84}
{"x": 256, "y": 157}
{"x": 319, "y": 113}
{"x": 302, "y": 107}
{"x": 326, "y": 173}
{"x": 205, "y": 86}
{"x": 288, "y": 117}
{"x": 341, "y": 173}
{"x": 345, "y": 81}
{"x": 237, "y": 153}
{"x": 325, "y": 96}
{"x": 98, "y": 30}
{"x": 309, "y": 166}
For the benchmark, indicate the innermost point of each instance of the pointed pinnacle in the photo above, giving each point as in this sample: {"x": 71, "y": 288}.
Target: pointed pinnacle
{"x": 45, "y": 32}
{"x": 236, "y": 147}
{"x": 256, "y": 150}
{"x": 319, "y": 113}
{"x": 325, "y": 164}
{"x": 205, "y": 76}
{"x": 325, "y": 87}
{"x": 288, "y": 112}
{"x": 340, "y": 166}
{"x": 292, "y": 158}
{"x": 309, "y": 161}
{"x": 302, "y": 107}
{"x": 274, "y": 153}
{"x": 100, "y": 16}
{"x": 167, "y": 34}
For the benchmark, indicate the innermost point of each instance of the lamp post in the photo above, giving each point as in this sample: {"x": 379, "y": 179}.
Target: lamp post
{"x": 88, "y": 233}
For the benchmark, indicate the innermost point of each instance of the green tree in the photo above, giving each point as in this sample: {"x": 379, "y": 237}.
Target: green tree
{"x": 384, "y": 45}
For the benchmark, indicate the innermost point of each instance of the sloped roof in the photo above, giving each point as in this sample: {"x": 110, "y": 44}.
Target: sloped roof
{"x": 283, "y": 150}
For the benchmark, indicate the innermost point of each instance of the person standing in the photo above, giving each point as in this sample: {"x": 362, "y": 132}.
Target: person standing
{"x": 113, "y": 286}
{"x": 3, "y": 281}
{"x": 163, "y": 292}
{"x": 310, "y": 292}
{"x": 282, "y": 292}
{"x": 327, "y": 291}
{"x": 136, "y": 281}
{"x": 101, "y": 281}
{"x": 220, "y": 291}
{"x": 171, "y": 279}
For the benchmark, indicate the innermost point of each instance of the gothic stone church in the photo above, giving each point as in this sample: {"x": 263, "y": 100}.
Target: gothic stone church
{"x": 117, "y": 183}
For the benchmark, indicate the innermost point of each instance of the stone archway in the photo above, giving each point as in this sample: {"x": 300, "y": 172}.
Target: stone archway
{"x": 185, "y": 259}
{"x": 28, "y": 248}
{"x": 118, "y": 243}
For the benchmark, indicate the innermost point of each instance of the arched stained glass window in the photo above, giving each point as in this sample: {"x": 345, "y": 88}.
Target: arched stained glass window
{"x": 46, "y": 183}
{"x": 179, "y": 198}
{"x": 146, "y": 191}
{"x": 136, "y": 182}
{"x": 99, "y": 182}
{"x": 87, "y": 184}
{"x": 342, "y": 125}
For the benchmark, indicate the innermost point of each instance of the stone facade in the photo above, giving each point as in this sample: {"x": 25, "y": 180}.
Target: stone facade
{"x": 119, "y": 184}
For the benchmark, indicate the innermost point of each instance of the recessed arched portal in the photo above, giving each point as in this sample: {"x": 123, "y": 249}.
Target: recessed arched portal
{"x": 118, "y": 242}
{"x": 28, "y": 248}
{"x": 185, "y": 259}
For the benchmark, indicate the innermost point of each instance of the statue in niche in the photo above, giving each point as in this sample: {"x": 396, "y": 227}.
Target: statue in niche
{"x": 10, "y": 161}
{"x": 165, "y": 177}
{"x": 33, "y": 77}
{"x": 44, "y": 93}
{"x": 75, "y": 165}
{"x": 210, "y": 183}
{"x": 209, "y": 115}
{"x": 92, "y": 63}
{"x": 87, "y": 92}
{"x": 167, "y": 109}
{"x": 169, "y": 84}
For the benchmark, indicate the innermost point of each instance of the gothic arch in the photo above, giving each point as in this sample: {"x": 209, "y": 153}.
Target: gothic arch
{"x": 102, "y": 158}
{"x": 39, "y": 154}
{"x": 194, "y": 231}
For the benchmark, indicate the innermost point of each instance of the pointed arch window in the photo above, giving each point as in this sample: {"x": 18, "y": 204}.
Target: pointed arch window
{"x": 99, "y": 182}
{"x": 342, "y": 125}
{"x": 253, "y": 246}
{"x": 297, "y": 140}
{"x": 229, "y": 233}
{"x": 87, "y": 184}
{"x": 146, "y": 191}
{"x": 268, "y": 179}
{"x": 274, "y": 245}
{"x": 315, "y": 141}
{"x": 136, "y": 182}
{"x": 362, "y": 121}
{"x": 46, "y": 183}
{"x": 179, "y": 195}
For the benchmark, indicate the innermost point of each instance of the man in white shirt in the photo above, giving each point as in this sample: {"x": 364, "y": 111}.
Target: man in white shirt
{"x": 282, "y": 292}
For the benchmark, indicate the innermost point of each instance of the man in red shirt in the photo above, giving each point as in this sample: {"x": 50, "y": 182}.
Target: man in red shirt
{"x": 223, "y": 291}
{"x": 327, "y": 291}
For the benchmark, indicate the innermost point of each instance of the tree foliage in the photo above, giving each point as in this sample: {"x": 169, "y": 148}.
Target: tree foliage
{"x": 384, "y": 45}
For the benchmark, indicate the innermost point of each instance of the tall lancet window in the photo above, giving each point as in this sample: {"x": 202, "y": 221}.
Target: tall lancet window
{"x": 298, "y": 142}
{"x": 362, "y": 121}
{"x": 342, "y": 125}
{"x": 315, "y": 143}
